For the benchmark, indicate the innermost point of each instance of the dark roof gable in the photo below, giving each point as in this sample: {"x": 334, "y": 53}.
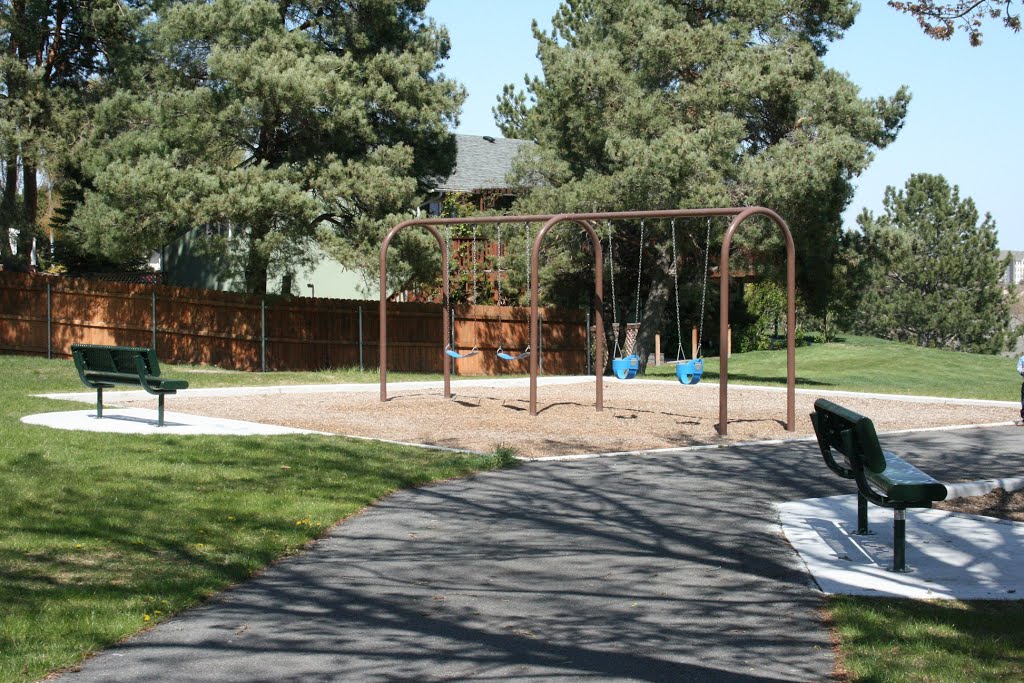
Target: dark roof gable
{"x": 481, "y": 163}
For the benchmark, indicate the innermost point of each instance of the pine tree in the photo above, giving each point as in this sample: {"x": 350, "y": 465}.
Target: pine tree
{"x": 56, "y": 57}
{"x": 936, "y": 270}
{"x": 289, "y": 124}
{"x": 648, "y": 104}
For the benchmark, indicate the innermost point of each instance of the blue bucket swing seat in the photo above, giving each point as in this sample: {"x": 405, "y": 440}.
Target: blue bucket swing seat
{"x": 508, "y": 356}
{"x": 690, "y": 371}
{"x": 626, "y": 367}
{"x": 455, "y": 354}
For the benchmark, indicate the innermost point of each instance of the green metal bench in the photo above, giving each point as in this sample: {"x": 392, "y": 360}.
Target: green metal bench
{"x": 102, "y": 367}
{"x": 882, "y": 477}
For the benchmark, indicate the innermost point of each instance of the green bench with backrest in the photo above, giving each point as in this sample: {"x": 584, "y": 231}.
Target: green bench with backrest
{"x": 882, "y": 477}
{"x": 102, "y": 367}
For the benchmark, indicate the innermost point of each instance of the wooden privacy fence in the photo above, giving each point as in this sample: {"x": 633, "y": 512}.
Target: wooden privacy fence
{"x": 44, "y": 315}
{"x": 563, "y": 340}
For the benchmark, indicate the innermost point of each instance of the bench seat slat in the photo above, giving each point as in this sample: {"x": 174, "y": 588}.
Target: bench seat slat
{"x": 125, "y": 378}
{"x": 902, "y": 481}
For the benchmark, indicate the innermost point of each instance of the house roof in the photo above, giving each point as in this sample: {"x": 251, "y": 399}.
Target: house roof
{"x": 481, "y": 163}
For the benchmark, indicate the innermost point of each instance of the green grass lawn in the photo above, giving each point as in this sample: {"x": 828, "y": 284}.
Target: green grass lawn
{"x": 873, "y": 365}
{"x": 108, "y": 534}
{"x": 913, "y": 641}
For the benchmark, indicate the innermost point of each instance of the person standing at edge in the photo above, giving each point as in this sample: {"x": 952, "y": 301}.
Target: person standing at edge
{"x": 1020, "y": 371}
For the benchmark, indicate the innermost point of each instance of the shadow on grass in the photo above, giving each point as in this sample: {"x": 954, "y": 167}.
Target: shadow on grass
{"x": 761, "y": 379}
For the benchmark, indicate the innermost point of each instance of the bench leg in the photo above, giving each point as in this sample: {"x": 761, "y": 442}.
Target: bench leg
{"x": 99, "y": 402}
{"x": 160, "y": 411}
{"x": 862, "y": 516}
{"x": 899, "y": 540}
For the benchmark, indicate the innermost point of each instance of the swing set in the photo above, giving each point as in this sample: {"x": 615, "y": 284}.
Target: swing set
{"x": 626, "y": 364}
{"x": 449, "y": 350}
{"x": 688, "y": 373}
{"x": 501, "y": 353}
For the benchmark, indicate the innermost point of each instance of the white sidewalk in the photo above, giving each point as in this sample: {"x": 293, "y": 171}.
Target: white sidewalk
{"x": 950, "y": 555}
{"x": 144, "y": 421}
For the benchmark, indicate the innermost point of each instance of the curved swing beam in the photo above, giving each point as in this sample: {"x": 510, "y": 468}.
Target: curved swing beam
{"x": 723, "y": 325}
{"x": 383, "y": 311}
{"x": 740, "y": 214}
{"x": 538, "y": 241}
{"x": 430, "y": 225}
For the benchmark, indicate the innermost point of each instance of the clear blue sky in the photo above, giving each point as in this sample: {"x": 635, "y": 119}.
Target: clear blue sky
{"x": 964, "y": 119}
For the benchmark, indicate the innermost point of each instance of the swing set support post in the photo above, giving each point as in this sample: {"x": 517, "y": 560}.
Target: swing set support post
{"x": 598, "y": 307}
{"x": 723, "y": 319}
{"x": 445, "y": 306}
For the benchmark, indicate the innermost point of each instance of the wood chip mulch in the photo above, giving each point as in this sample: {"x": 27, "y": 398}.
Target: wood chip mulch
{"x": 998, "y": 503}
{"x": 637, "y": 416}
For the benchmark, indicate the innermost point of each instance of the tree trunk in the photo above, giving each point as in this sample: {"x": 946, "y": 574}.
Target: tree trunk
{"x": 30, "y": 202}
{"x": 9, "y": 207}
{"x": 255, "y": 274}
{"x": 256, "y": 267}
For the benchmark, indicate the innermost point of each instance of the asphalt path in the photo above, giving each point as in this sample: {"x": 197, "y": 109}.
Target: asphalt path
{"x": 666, "y": 567}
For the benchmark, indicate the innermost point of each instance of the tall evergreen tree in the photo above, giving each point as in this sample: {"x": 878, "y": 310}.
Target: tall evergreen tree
{"x": 936, "y": 270}
{"x": 648, "y": 104}
{"x": 285, "y": 123}
{"x": 56, "y": 56}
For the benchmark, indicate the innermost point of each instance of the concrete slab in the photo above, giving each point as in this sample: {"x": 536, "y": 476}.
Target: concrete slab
{"x": 142, "y": 421}
{"x": 950, "y": 555}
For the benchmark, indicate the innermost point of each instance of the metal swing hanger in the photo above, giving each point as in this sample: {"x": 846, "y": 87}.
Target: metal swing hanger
{"x": 448, "y": 349}
{"x": 500, "y": 353}
{"x": 689, "y": 371}
{"x": 624, "y": 367}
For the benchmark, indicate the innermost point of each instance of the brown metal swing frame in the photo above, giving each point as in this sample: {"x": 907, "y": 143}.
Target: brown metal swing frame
{"x": 739, "y": 214}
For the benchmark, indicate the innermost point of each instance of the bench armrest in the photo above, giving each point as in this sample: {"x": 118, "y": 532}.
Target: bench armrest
{"x": 864, "y": 486}
{"x": 163, "y": 386}
{"x": 80, "y": 366}
{"x": 826, "y": 451}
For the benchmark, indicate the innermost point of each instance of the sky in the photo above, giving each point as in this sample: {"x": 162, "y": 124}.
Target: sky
{"x": 963, "y": 121}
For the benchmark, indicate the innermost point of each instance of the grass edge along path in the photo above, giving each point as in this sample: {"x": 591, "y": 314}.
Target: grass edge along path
{"x": 886, "y": 640}
{"x": 109, "y": 534}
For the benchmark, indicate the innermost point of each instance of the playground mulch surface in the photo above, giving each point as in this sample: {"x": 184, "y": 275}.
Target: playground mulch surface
{"x": 637, "y": 416}
{"x": 998, "y": 503}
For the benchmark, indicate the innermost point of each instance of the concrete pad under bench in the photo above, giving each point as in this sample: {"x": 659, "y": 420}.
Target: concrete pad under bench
{"x": 143, "y": 421}
{"x": 950, "y": 555}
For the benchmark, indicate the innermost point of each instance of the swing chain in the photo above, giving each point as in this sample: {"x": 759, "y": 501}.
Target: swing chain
{"x": 498, "y": 264}
{"x": 447, "y": 261}
{"x": 611, "y": 275}
{"x": 529, "y": 259}
{"x": 448, "y": 272}
{"x": 475, "y": 282}
{"x": 704, "y": 290}
{"x": 680, "y": 353}
{"x": 639, "y": 272}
